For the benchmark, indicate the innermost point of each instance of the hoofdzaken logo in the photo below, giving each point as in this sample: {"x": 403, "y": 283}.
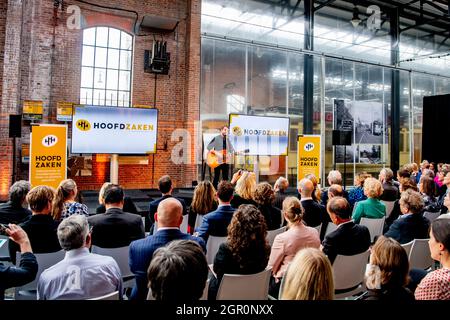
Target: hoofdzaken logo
{"x": 83, "y": 125}
{"x": 49, "y": 140}
{"x": 309, "y": 146}
{"x": 237, "y": 131}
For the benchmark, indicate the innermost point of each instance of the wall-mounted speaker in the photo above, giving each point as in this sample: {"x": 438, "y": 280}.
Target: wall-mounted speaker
{"x": 15, "y": 125}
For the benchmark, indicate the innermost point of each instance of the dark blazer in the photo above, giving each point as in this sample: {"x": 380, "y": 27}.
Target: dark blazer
{"x": 11, "y": 213}
{"x": 128, "y": 206}
{"x": 409, "y": 227}
{"x": 238, "y": 200}
{"x": 279, "y": 198}
{"x": 11, "y": 276}
{"x": 41, "y": 230}
{"x": 349, "y": 239}
{"x": 225, "y": 262}
{"x": 390, "y": 192}
{"x": 115, "y": 228}
{"x": 216, "y": 223}
{"x": 272, "y": 216}
{"x": 314, "y": 213}
{"x": 150, "y": 219}
{"x": 324, "y": 197}
{"x": 391, "y": 294}
{"x": 141, "y": 253}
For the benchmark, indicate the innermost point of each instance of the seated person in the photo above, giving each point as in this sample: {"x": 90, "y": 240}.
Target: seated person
{"x": 246, "y": 250}
{"x": 128, "y": 205}
{"x": 178, "y": 272}
{"x": 280, "y": 188}
{"x": 115, "y": 228}
{"x": 357, "y": 194}
{"x": 15, "y": 210}
{"x": 395, "y": 213}
{"x": 349, "y": 238}
{"x": 334, "y": 177}
{"x": 80, "y": 275}
{"x": 215, "y": 223}
{"x": 390, "y": 189}
{"x": 371, "y": 208}
{"x": 314, "y": 214}
{"x": 203, "y": 202}
{"x": 245, "y": 182}
{"x": 264, "y": 196}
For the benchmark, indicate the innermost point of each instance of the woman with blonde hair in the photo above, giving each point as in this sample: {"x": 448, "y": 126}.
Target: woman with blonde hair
{"x": 372, "y": 207}
{"x": 287, "y": 244}
{"x": 357, "y": 194}
{"x": 245, "y": 188}
{"x": 203, "y": 202}
{"x": 387, "y": 273}
{"x": 309, "y": 277}
{"x": 64, "y": 204}
{"x": 128, "y": 204}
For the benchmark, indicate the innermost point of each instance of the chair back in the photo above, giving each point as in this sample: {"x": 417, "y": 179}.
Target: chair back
{"x": 319, "y": 228}
{"x": 118, "y": 254}
{"x": 420, "y": 255}
{"x": 431, "y": 216}
{"x": 330, "y": 228}
{"x": 389, "y": 207}
{"x": 212, "y": 246}
{"x": 348, "y": 273}
{"x": 375, "y": 226}
{"x": 4, "y": 253}
{"x": 407, "y": 247}
{"x": 45, "y": 261}
{"x": 271, "y": 234}
{"x": 110, "y": 296}
{"x": 245, "y": 287}
{"x": 198, "y": 221}
{"x": 184, "y": 224}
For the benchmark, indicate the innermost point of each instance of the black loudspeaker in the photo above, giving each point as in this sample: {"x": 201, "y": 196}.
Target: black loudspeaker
{"x": 342, "y": 138}
{"x": 15, "y": 125}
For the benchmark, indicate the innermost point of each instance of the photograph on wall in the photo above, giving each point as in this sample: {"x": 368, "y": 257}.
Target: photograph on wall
{"x": 370, "y": 153}
{"x": 351, "y": 154}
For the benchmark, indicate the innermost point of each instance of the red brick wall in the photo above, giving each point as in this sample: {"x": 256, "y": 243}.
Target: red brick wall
{"x": 51, "y": 73}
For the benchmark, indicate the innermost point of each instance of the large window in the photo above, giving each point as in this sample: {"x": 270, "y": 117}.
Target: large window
{"x": 106, "y": 67}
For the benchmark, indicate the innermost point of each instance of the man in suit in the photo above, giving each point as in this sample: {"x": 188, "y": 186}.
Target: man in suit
{"x": 280, "y": 187}
{"x": 169, "y": 217}
{"x": 314, "y": 213}
{"x": 390, "y": 190}
{"x": 334, "y": 177}
{"x": 349, "y": 238}
{"x": 115, "y": 228}
{"x": 165, "y": 186}
{"x": 221, "y": 144}
{"x": 15, "y": 211}
{"x": 216, "y": 223}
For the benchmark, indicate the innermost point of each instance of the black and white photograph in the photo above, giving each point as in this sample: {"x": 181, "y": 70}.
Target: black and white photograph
{"x": 369, "y": 153}
{"x": 351, "y": 154}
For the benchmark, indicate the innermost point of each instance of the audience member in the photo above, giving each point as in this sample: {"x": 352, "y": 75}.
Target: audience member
{"x": 357, "y": 193}
{"x": 316, "y": 194}
{"x": 169, "y": 217}
{"x": 349, "y": 238}
{"x": 436, "y": 285}
{"x": 427, "y": 188}
{"x": 178, "y": 272}
{"x": 404, "y": 175}
{"x": 11, "y": 276}
{"x": 15, "y": 211}
{"x": 395, "y": 213}
{"x": 390, "y": 189}
{"x": 372, "y": 207}
{"x": 40, "y": 227}
{"x": 80, "y": 275}
{"x": 264, "y": 197}
{"x": 64, "y": 204}
{"x": 309, "y": 277}
{"x": 444, "y": 190}
{"x": 203, "y": 202}
{"x": 128, "y": 204}
{"x": 411, "y": 224}
{"x": 314, "y": 213}
{"x": 165, "y": 186}
{"x": 245, "y": 188}
{"x": 387, "y": 273}
{"x": 280, "y": 188}
{"x": 334, "y": 177}
{"x": 115, "y": 228}
{"x": 246, "y": 250}
{"x": 335, "y": 190}
{"x": 216, "y": 222}
{"x": 287, "y": 244}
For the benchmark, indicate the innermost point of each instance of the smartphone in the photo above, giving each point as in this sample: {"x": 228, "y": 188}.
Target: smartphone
{"x": 3, "y": 228}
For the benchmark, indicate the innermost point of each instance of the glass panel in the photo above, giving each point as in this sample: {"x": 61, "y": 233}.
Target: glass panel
{"x": 102, "y": 37}
{"x": 404, "y": 119}
{"x": 100, "y": 78}
{"x": 124, "y": 80}
{"x": 125, "y": 60}
{"x": 85, "y": 96}
{"x": 87, "y": 77}
{"x": 124, "y": 99}
{"x": 89, "y": 36}
{"x": 111, "y": 98}
{"x": 114, "y": 38}
{"x": 113, "y": 58}
{"x": 88, "y": 56}
{"x": 126, "y": 42}
{"x": 100, "y": 57}
{"x": 112, "y": 80}
{"x": 99, "y": 97}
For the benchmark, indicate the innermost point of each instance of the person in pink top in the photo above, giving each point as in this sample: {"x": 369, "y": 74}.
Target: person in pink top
{"x": 287, "y": 244}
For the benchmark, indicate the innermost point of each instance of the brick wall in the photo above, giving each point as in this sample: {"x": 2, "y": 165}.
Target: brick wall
{"x": 45, "y": 63}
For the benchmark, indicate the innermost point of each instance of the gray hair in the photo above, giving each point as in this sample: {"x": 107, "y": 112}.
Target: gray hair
{"x": 282, "y": 183}
{"x": 19, "y": 191}
{"x": 334, "y": 177}
{"x": 388, "y": 174}
{"x": 72, "y": 232}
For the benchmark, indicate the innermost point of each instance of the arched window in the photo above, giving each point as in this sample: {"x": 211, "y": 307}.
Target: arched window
{"x": 106, "y": 67}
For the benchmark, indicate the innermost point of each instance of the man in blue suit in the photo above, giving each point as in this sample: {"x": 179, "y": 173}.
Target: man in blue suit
{"x": 169, "y": 217}
{"x": 216, "y": 223}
